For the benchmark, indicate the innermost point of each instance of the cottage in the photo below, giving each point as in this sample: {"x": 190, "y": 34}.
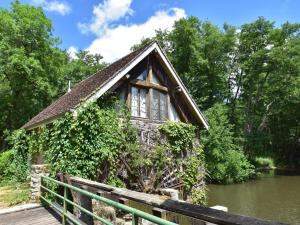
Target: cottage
{"x": 147, "y": 83}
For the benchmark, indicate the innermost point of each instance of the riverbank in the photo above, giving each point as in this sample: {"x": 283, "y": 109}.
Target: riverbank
{"x": 272, "y": 196}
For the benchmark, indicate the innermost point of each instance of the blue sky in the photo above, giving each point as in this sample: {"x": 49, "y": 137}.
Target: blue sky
{"x": 111, "y": 27}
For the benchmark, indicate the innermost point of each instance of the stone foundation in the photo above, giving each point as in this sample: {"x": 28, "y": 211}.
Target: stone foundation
{"x": 35, "y": 183}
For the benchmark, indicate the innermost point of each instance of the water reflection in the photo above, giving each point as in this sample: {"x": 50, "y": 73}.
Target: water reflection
{"x": 273, "y": 197}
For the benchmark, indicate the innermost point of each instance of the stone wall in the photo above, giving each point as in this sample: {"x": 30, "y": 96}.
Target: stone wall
{"x": 148, "y": 132}
{"x": 35, "y": 183}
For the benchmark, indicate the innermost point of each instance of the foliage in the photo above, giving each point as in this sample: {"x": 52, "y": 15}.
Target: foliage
{"x": 5, "y": 161}
{"x": 265, "y": 162}
{"x": 86, "y": 145}
{"x": 254, "y": 70}
{"x": 18, "y": 170}
{"x": 33, "y": 70}
{"x": 225, "y": 161}
{"x": 188, "y": 155}
{"x": 78, "y": 68}
{"x": 29, "y": 63}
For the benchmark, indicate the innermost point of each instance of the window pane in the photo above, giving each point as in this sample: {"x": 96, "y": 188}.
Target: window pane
{"x": 143, "y": 105}
{"x": 134, "y": 101}
{"x": 122, "y": 96}
{"x": 173, "y": 114}
{"x": 155, "y": 80}
{"x": 143, "y": 75}
{"x": 163, "y": 106}
{"x": 155, "y": 105}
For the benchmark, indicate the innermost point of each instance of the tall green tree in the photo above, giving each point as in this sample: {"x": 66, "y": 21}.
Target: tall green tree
{"x": 201, "y": 56}
{"x": 30, "y": 64}
{"x": 33, "y": 69}
{"x": 268, "y": 84}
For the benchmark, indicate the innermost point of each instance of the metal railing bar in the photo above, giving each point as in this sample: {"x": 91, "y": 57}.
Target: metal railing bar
{"x": 114, "y": 204}
{"x": 79, "y": 207}
{"x": 62, "y": 212}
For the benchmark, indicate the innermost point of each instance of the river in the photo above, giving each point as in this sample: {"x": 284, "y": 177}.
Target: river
{"x": 272, "y": 197}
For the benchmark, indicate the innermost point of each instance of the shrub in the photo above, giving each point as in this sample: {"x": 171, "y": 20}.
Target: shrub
{"x": 5, "y": 161}
{"x": 225, "y": 162}
{"x": 265, "y": 162}
{"x": 18, "y": 170}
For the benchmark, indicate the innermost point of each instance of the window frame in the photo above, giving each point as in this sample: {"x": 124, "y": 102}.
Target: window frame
{"x": 138, "y": 102}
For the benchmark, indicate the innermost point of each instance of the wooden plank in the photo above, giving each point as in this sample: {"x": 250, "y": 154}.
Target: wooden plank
{"x": 37, "y": 216}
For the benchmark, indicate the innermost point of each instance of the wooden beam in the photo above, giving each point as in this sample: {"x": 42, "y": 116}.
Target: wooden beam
{"x": 145, "y": 84}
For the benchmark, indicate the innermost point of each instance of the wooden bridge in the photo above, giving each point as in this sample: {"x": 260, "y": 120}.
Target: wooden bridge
{"x": 159, "y": 210}
{"x": 34, "y": 216}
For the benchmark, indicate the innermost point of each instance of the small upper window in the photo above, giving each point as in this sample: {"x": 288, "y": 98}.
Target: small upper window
{"x": 155, "y": 80}
{"x": 143, "y": 75}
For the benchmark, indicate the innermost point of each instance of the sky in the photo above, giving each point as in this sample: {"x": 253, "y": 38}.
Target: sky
{"x": 111, "y": 27}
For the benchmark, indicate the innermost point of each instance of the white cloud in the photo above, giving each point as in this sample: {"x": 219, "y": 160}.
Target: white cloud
{"x": 63, "y": 8}
{"x": 115, "y": 42}
{"x": 105, "y": 13}
{"x": 72, "y": 50}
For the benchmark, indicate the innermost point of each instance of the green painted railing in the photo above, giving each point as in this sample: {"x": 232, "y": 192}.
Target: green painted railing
{"x": 136, "y": 214}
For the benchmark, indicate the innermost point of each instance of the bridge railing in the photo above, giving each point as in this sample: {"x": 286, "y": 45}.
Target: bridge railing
{"x": 136, "y": 214}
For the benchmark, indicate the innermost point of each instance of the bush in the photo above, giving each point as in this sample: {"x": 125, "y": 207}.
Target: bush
{"x": 225, "y": 162}
{"x": 6, "y": 159}
{"x": 265, "y": 162}
{"x": 18, "y": 170}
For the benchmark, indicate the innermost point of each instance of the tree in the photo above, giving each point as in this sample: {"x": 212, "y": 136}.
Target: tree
{"x": 201, "y": 56}
{"x": 33, "y": 70}
{"x": 225, "y": 160}
{"x": 268, "y": 84}
{"x": 82, "y": 66}
{"x": 29, "y": 64}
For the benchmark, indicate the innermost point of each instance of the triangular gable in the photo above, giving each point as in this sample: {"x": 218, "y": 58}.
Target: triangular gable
{"x": 96, "y": 85}
{"x": 154, "y": 47}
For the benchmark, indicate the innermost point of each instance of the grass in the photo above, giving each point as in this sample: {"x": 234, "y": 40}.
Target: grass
{"x": 13, "y": 193}
{"x": 264, "y": 162}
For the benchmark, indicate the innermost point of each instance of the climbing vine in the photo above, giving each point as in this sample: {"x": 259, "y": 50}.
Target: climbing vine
{"x": 187, "y": 156}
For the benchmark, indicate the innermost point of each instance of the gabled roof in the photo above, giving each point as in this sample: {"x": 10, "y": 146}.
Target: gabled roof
{"x": 94, "y": 86}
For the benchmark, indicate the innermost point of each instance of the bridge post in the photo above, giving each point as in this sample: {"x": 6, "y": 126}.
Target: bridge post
{"x": 35, "y": 180}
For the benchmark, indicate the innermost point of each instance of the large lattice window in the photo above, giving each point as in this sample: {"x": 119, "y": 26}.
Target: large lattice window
{"x": 149, "y": 97}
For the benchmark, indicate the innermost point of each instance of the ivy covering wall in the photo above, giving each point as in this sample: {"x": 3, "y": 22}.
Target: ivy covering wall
{"x": 96, "y": 144}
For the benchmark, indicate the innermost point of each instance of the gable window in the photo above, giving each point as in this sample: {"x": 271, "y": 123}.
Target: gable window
{"x": 138, "y": 102}
{"x": 143, "y": 75}
{"x": 155, "y": 80}
{"x": 159, "y": 106}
